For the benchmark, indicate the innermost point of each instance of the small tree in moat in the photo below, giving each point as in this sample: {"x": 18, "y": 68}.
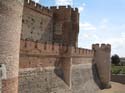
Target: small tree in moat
{"x": 115, "y": 59}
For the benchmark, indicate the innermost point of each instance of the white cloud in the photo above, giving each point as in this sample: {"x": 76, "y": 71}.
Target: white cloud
{"x": 64, "y": 2}
{"x": 82, "y": 7}
{"x": 118, "y": 45}
{"x": 37, "y": 1}
{"x": 123, "y": 34}
{"x": 87, "y": 26}
{"x": 104, "y": 32}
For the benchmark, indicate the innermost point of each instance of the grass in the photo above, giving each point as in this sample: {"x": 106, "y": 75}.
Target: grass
{"x": 118, "y": 69}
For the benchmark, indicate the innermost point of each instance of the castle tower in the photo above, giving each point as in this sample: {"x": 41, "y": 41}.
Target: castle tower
{"x": 66, "y": 25}
{"x": 102, "y": 61}
{"x": 10, "y": 29}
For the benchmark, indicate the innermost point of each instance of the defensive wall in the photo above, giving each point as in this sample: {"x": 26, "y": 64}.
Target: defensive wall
{"x": 54, "y": 24}
{"x": 39, "y": 53}
{"x": 55, "y": 68}
{"x": 61, "y": 68}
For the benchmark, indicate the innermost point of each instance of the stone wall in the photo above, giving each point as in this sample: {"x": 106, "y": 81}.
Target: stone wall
{"x": 65, "y": 24}
{"x": 41, "y": 80}
{"x": 50, "y": 80}
{"x": 118, "y": 78}
{"x": 83, "y": 79}
{"x": 45, "y": 80}
{"x": 37, "y": 23}
{"x": 44, "y": 67}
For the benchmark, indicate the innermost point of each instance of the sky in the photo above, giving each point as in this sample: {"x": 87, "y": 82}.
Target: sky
{"x": 101, "y": 21}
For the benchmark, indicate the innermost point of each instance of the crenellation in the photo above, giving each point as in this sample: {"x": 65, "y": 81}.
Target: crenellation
{"x": 76, "y": 9}
{"x": 32, "y": 3}
{"x": 103, "y": 46}
{"x": 95, "y": 46}
{"x": 53, "y": 48}
{"x": 30, "y": 45}
{"x": 53, "y": 8}
{"x": 46, "y": 51}
{"x": 40, "y": 46}
{"x": 46, "y": 9}
{"x": 82, "y": 52}
{"x": 109, "y": 47}
{"x": 37, "y": 7}
{"x": 69, "y": 6}
{"x": 62, "y": 7}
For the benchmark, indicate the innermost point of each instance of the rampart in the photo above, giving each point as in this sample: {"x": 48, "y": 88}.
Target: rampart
{"x": 39, "y": 53}
{"x": 56, "y": 66}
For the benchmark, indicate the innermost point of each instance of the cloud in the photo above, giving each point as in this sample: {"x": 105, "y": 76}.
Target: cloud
{"x": 103, "y": 32}
{"x": 82, "y": 7}
{"x": 118, "y": 45}
{"x": 64, "y": 2}
{"x": 87, "y": 26}
{"x": 37, "y": 1}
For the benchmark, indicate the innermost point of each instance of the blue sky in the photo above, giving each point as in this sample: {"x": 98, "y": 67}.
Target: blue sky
{"x": 101, "y": 21}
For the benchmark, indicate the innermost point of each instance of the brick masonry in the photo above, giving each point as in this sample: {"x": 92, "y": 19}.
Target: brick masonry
{"x": 44, "y": 80}
{"x": 10, "y": 85}
{"x": 10, "y": 29}
{"x": 38, "y": 46}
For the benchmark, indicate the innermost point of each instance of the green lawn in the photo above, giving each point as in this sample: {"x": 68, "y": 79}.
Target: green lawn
{"x": 118, "y": 69}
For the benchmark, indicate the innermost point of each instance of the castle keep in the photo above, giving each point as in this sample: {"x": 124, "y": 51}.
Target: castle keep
{"x": 39, "y": 51}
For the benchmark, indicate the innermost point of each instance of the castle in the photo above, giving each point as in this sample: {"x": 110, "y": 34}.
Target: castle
{"x": 39, "y": 52}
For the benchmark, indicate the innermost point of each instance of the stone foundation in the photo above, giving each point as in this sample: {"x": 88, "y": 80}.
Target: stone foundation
{"x": 45, "y": 80}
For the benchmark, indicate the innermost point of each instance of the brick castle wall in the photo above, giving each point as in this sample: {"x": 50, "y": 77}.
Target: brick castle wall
{"x": 43, "y": 68}
{"x": 48, "y": 60}
{"x": 37, "y": 22}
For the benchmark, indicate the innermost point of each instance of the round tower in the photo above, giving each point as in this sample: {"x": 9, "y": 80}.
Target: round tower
{"x": 10, "y": 29}
{"x": 102, "y": 60}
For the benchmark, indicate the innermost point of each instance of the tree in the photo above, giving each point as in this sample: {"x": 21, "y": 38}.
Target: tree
{"x": 115, "y": 59}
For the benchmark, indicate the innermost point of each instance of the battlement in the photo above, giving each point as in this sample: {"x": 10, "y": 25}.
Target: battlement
{"x": 102, "y": 47}
{"x": 68, "y": 7}
{"x": 31, "y": 47}
{"x": 37, "y": 7}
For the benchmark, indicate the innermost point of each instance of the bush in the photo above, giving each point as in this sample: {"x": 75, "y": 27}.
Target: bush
{"x": 115, "y": 59}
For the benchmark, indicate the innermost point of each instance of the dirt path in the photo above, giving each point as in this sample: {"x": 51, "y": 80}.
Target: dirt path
{"x": 116, "y": 88}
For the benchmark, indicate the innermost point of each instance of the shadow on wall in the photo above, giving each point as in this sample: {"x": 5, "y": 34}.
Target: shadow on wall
{"x": 58, "y": 69}
{"x": 96, "y": 76}
{"x": 62, "y": 67}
